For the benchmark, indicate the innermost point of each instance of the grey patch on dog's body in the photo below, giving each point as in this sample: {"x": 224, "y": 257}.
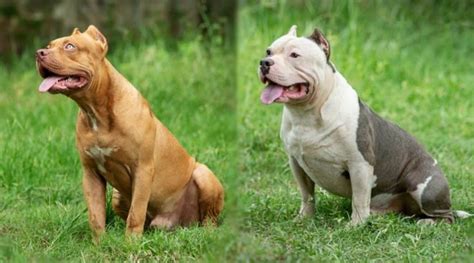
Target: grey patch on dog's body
{"x": 391, "y": 150}
{"x": 401, "y": 164}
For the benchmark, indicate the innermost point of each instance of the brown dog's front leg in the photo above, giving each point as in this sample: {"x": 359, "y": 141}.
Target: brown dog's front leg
{"x": 140, "y": 197}
{"x": 94, "y": 187}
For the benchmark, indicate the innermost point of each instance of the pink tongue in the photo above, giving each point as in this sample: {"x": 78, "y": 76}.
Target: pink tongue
{"x": 48, "y": 83}
{"x": 271, "y": 93}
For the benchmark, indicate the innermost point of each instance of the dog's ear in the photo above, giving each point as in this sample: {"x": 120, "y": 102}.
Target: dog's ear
{"x": 319, "y": 38}
{"x": 75, "y": 31}
{"x": 99, "y": 37}
{"x": 292, "y": 31}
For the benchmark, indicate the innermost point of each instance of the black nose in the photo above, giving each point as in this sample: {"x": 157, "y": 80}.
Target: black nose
{"x": 41, "y": 53}
{"x": 265, "y": 65}
{"x": 266, "y": 62}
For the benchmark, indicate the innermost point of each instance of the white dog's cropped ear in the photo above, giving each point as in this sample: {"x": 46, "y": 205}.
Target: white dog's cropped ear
{"x": 319, "y": 38}
{"x": 99, "y": 37}
{"x": 292, "y": 31}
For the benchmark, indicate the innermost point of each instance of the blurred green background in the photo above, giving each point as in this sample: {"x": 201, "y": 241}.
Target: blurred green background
{"x": 131, "y": 21}
{"x": 196, "y": 63}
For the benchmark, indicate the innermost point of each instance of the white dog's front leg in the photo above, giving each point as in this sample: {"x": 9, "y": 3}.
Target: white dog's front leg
{"x": 362, "y": 179}
{"x": 306, "y": 186}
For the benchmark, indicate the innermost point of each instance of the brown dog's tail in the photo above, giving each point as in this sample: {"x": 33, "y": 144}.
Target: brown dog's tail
{"x": 211, "y": 194}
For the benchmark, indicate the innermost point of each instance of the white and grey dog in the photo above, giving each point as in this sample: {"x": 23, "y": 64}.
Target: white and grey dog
{"x": 335, "y": 141}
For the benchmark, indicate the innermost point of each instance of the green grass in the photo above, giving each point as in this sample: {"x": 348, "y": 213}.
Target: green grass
{"x": 413, "y": 67}
{"x": 411, "y": 64}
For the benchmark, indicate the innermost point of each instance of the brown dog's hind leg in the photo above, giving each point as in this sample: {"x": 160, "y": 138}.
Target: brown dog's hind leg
{"x": 210, "y": 196}
{"x": 185, "y": 213}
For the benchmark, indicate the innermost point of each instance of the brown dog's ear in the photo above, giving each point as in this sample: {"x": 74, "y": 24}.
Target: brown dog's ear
{"x": 75, "y": 31}
{"x": 99, "y": 37}
{"x": 319, "y": 38}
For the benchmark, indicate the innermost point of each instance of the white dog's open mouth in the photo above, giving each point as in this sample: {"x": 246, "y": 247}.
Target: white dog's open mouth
{"x": 275, "y": 92}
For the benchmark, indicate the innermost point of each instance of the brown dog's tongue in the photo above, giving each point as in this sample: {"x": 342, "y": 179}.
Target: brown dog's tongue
{"x": 271, "y": 93}
{"x": 48, "y": 83}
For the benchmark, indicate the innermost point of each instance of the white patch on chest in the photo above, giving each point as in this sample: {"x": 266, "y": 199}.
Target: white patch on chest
{"x": 98, "y": 154}
{"x": 129, "y": 171}
{"x": 93, "y": 121}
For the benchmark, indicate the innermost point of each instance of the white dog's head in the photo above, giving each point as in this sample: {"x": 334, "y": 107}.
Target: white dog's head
{"x": 294, "y": 67}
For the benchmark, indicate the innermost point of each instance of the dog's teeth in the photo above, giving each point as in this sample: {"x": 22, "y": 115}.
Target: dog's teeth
{"x": 292, "y": 88}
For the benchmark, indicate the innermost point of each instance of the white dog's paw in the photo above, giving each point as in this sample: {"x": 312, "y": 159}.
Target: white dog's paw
{"x": 306, "y": 211}
{"x": 358, "y": 219}
{"x": 425, "y": 221}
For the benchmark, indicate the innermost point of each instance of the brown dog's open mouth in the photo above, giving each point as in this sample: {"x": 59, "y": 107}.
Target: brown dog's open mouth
{"x": 275, "y": 92}
{"x": 57, "y": 83}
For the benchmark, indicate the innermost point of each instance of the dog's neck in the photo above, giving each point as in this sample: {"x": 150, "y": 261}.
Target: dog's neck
{"x": 98, "y": 101}
{"x": 319, "y": 96}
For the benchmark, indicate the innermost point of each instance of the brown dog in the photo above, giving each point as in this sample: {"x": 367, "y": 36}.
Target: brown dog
{"x": 156, "y": 183}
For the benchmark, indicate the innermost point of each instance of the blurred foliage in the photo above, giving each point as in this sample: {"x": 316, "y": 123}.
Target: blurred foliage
{"x": 34, "y": 22}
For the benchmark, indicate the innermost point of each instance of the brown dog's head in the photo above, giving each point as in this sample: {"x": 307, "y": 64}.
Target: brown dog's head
{"x": 68, "y": 64}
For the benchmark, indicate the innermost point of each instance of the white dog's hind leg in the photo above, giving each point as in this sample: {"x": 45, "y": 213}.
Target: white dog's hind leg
{"x": 306, "y": 186}
{"x": 432, "y": 196}
{"x": 362, "y": 178}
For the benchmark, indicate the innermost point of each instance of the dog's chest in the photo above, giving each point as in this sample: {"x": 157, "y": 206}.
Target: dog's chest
{"x": 306, "y": 142}
{"x": 108, "y": 156}
{"x": 323, "y": 159}
{"x": 99, "y": 155}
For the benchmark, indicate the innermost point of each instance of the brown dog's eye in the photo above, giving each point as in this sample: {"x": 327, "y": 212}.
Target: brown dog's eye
{"x": 294, "y": 55}
{"x": 269, "y": 52}
{"x": 69, "y": 46}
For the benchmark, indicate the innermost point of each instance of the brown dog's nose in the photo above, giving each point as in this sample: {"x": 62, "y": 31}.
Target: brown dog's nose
{"x": 265, "y": 65}
{"x": 41, "y": 53}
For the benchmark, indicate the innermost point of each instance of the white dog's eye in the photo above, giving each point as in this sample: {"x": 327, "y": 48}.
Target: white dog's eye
{"x": 69, "y": 46}
{"x": 269, "y": 52}
{"x": 294, "y": 55}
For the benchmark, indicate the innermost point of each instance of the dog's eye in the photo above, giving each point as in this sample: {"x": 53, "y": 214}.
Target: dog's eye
{"x": 294, "y": 55}
{"x": 269, "y": 52}
{"x": 69, "y": 46}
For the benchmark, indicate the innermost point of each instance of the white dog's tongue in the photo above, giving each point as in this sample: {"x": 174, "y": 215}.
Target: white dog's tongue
{"x": 48, "y": 83}
{"x": 271, "y": 93}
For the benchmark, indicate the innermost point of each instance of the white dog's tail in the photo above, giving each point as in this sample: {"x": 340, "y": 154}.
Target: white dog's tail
{"x": 461, "y": 214}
